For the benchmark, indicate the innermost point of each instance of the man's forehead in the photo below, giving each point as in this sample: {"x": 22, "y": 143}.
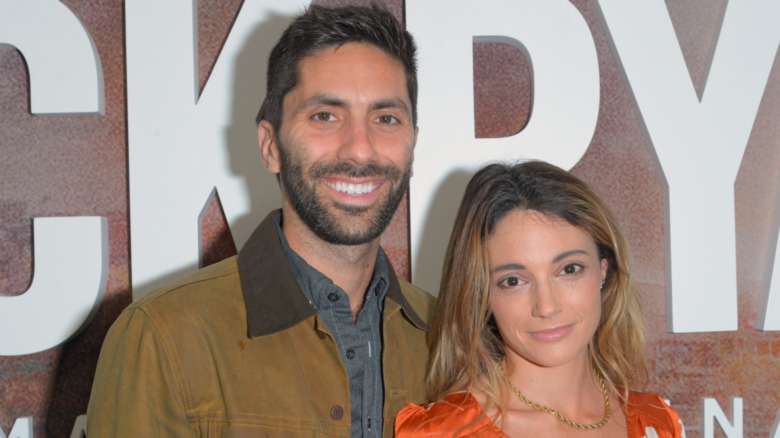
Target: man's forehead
{"x": 336, "y": 49}
{"x": 311, "y": 66}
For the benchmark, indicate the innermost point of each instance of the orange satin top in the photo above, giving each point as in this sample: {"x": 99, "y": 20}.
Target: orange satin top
{"x": 648, "y": 416}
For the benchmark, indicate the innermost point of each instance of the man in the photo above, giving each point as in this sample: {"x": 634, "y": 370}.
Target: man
{"x": 308, "y": 331}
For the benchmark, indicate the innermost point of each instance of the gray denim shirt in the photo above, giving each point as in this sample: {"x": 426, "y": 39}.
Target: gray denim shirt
{"x": 359, "y": 342}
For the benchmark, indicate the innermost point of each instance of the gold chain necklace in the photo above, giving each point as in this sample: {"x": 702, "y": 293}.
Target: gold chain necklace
{"x": 560, "y": 416}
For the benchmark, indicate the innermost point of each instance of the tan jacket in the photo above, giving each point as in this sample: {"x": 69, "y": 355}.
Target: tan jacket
{"x": 201, "y": 358}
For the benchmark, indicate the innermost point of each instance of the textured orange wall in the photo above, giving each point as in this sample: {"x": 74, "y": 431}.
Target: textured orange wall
{"x": 77, "y": 166}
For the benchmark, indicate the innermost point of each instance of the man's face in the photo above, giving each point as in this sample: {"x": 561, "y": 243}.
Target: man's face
{"x": 345, "y": 144}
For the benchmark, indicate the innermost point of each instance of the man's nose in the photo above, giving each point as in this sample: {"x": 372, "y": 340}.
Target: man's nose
{"x": 357, "y": 145}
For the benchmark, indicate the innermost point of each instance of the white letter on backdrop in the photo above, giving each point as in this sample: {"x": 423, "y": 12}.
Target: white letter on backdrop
{"x": 22, "y": 428}
{"x": 566, "y": 90}
{"x": 71, "y": 257}
{"x": 711, "y": 412}
{"x": 79, "y": 427}
{"x": 182, "y": 145}
{"x": 775, "y": 433}
{"x": 699, "y": 144}
{"x": 71, "y": 273}
{"x": 64, "y": 66}
{"x": 768, "y": 315}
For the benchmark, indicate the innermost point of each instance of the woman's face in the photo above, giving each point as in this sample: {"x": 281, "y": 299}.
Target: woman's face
{"x": 545, "y": 285}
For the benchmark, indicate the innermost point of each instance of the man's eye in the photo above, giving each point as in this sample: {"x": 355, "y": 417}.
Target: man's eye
{"x": 324, "y": 116}
{"x": 387, "y": 119}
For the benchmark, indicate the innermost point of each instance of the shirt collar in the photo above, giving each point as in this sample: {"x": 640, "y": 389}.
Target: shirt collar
{"x": 273, "y": 297}
{"x": 314, "y": 284}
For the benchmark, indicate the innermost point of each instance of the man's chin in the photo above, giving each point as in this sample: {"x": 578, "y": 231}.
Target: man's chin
{"x": 354, "y": 228}
{"x": 354, "y": 210}
{"x": 347, "y": 239}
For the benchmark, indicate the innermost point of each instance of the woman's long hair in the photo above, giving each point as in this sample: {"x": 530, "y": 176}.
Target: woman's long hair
{"x": 465, "y": 345}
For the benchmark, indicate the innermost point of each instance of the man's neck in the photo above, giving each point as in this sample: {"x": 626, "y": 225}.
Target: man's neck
{"x": 350, "y": 267}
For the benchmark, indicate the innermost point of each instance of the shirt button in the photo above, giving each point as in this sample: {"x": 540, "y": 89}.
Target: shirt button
{"x": 350, "y": 354}
{"x": 336, "y": 412}
{"x": 333, "y": 297}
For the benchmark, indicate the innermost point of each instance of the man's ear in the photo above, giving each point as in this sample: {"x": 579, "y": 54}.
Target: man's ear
{"x": 269, "y": 147}
{"x": 414, "y": 145}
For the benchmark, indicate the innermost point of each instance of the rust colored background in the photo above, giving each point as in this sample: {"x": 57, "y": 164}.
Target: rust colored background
{"x": 61, "y": 165}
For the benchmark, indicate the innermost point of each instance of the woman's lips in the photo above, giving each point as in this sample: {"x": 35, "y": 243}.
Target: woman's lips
{"x": 552, "y": 334}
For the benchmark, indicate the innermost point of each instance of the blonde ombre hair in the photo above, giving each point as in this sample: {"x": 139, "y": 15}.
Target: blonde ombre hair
{"x": 465, "y": 344}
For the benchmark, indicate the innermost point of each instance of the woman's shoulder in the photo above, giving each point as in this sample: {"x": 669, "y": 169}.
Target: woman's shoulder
{"x": 650, "y": 411}
{"x": 458, "y": 412}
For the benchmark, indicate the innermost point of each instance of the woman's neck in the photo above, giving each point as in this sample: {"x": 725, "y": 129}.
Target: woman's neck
{"x": 572, "y": 389}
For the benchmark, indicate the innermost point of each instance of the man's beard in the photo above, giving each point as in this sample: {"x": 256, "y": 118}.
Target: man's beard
{"x": 302, "y": 194}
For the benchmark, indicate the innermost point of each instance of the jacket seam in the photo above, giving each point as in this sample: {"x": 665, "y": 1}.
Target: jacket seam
{"x": 173, "y": 358}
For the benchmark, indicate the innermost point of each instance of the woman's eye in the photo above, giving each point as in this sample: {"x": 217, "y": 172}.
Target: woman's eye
{"x": 324, "y": 116}
{"x": 510, "y": 282}
{"x": 571, "y": 269}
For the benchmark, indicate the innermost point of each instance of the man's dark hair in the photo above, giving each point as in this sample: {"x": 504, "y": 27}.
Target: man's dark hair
{"x": 320, "y": 28}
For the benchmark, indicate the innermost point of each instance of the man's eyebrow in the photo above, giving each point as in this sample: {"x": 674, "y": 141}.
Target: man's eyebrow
{"x": 331, "y": 100}
{"x": 325, "y": 99}
{"x": 393, "y": 103}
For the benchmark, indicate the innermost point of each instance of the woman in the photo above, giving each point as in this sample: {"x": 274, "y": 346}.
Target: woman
{"x": 537, "y": 315}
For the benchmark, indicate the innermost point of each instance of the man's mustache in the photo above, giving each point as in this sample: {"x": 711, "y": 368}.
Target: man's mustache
{"x": 350, "y": 170}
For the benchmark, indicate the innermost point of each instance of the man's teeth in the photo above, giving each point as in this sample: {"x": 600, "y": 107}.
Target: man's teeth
{"x": 353, "y": 189}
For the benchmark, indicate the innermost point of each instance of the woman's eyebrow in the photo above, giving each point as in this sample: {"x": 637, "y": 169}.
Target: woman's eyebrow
{"x": 508, "y": 267}
{"x": 519, "y": 266}
{"x": 562, "y": 256}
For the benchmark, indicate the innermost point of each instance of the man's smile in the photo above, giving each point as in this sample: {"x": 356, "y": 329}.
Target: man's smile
{"x": 352, "y": 189}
